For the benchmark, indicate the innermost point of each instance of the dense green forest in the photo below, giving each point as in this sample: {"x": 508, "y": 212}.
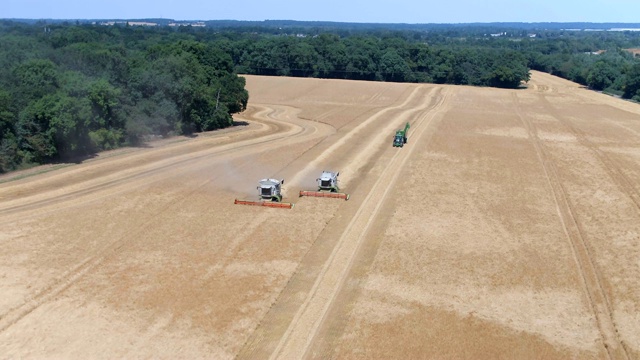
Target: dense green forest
{"x": 68, "y": 90}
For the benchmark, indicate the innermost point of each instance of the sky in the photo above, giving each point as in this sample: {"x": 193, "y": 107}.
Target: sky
{"x": 359, "y": 11}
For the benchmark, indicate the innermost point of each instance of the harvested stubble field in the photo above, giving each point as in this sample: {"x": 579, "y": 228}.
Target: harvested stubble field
{"x": 507, "y": 227}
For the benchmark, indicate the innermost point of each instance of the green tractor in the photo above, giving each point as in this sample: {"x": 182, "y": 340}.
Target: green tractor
{"x": 401, "y": 137}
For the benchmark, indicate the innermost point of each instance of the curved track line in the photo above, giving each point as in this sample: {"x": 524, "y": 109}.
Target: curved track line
{"x": 98, "y": 256}
{"x": 122, "y": 162}
{"x": 139, "y": 172}
{"x": 304, "y": 326}
{"x": 308, "y": 128}
{"x": 587, "y": 269}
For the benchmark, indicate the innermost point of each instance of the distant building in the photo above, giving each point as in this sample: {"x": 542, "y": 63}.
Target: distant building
{"x": 141, "y": 23}
{"x": 194, "y": 24}
{"x": 130, "y": 23}
{"x": 625, "y": 29}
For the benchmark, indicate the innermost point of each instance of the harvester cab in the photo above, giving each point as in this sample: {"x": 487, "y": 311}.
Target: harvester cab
{"x": 327, "y": 187}
{"x": 270, "y": 189}
{"x": 270, "y": 194}
{"x": 328, "y": 181}
{"x": 401, "y": 137}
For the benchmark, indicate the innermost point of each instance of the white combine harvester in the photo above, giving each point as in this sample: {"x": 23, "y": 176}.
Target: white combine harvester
{"x": 270, "y": 194}
{"x": 327, "y": 187}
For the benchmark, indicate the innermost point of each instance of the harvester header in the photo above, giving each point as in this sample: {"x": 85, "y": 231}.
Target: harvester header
{"x": 327, "y": 187}
{"x": 264, "y": 203}
{"x": 270, "y": 195}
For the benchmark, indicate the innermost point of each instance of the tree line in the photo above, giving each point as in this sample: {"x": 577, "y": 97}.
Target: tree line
{"x": 70, "y": 91}
{"x": 495, "y": 54}
{"x": 378, "y": 59}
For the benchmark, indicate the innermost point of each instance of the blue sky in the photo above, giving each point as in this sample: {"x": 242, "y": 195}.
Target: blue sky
{"x": 398, "y": 11}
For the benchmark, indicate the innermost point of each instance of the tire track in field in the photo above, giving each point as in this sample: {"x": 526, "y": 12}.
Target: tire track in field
{"x": 610, "y": 165}
{"x": 371, "y": 132}
{"x": 341, "y": 107}
{"x": 310, "y": 316}
{"x": 68, "y": 278}
{"x": 373, "y": 99}
{"x": 327, "y": 114}
{"x": 371, "y": 107}
{"x": 98, "y": 256}
{"x": 174, "y": 163}
{"x": 157, "y": 167}
{"x": 124, "y": 159}
{"x": 589, "y": 274}
{"x": 365, "y": 153}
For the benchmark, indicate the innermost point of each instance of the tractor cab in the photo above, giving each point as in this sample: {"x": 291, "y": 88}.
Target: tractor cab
{"x": 399, "y": 140}
{"x": 401, "y": 136}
